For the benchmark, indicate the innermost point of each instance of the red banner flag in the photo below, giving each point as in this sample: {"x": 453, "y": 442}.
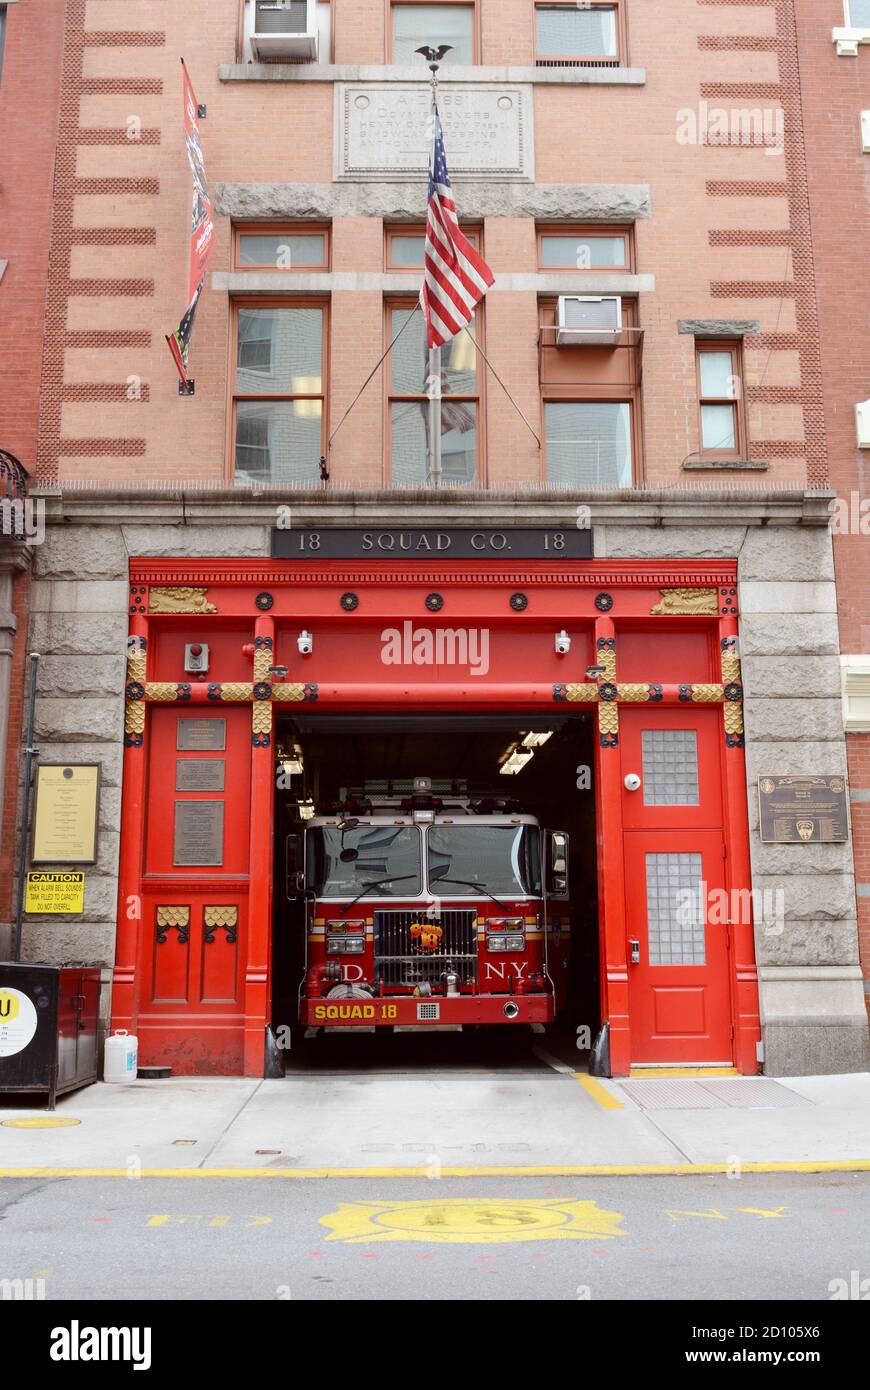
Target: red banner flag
{"x": 202, "y": 233}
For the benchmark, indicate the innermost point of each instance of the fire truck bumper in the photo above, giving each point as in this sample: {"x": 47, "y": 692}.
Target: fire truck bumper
{"x": 405, "y": 1010}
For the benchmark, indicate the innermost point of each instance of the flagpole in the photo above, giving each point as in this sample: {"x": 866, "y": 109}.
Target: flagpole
{"x": 434, "y": 470}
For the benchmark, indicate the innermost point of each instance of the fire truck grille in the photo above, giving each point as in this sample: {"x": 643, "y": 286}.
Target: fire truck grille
{"x": 398, "y": 961}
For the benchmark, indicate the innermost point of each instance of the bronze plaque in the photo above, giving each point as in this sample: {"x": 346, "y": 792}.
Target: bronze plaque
{"x": 802, "y": 810}
{"x": 65, "y": 815}
{"x": 199, "y": 833}
{"x": 199, "y": 774}
{"x": 202, "y": 735}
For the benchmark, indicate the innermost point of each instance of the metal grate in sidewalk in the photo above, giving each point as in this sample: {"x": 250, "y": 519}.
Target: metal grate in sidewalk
{"x": 751, "y": 1093}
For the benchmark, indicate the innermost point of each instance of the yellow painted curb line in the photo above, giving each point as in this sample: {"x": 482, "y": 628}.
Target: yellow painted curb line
{"x": 665, "y": 1073}
{"x": 606, "y": 1099}
{"x": 557, "y": 1170}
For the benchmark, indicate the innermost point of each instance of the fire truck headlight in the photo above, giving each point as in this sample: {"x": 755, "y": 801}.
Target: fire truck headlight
{"x": 514, "y": 943}
{"x": 496, "y": 943}
{"x": 345, "y": 946}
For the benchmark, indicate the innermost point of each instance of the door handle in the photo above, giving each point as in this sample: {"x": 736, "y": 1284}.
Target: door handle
{"x": 634, "y": 951}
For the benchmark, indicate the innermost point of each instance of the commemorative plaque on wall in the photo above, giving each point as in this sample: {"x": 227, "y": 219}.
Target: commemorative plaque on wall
{"x": 202, "y": 735}
{"x": 65, "y": 815}
{"x": 802, "y": 809}
{"x": 199, "y": 775}
{"x": 198, "y": 837}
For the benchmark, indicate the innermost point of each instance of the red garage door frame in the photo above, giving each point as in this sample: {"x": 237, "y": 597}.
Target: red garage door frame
{"x": 635, "y": 621}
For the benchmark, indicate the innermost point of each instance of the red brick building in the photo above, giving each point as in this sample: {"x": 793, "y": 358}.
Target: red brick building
{"x": 648, "y": 168}
{"x": 31, "y": 41}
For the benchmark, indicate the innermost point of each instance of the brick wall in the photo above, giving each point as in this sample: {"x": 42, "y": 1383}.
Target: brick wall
{"x": 728, "y": 236}
{"x": 28, "y": 126}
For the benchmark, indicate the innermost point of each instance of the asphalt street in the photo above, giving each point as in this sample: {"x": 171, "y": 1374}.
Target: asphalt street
{"x": 759, "y": 1236}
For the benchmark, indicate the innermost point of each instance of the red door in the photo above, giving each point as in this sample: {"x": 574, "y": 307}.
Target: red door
{"x": 677, "y": 917}
{"x": 195, "y": 890}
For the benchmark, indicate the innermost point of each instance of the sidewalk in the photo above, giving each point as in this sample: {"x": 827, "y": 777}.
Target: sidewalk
{"x": 392, "y": 1124}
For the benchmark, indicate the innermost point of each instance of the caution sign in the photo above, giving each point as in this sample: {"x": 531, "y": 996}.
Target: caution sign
{"x": 54, "y": 892}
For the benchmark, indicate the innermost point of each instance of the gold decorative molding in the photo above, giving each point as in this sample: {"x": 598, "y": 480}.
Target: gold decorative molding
{"x": 701, "y": 601}
{"x": 707, "y": 694}
{"x": 182, "y": 598}
{"x": 288, "y": 691}
{"x": 220, "y": 916}
{"x": 134, "y": 717}
{"x": 261, "y": 717}
{"x": 232, "y": 692}
{"x": 634, "y": 694}
{"x": 733, "y": 717}
{"x": 173, "y": 916}
{"x": 161, "y": 691}
{"x": 582, "y": 694}
{"x": 608, "y": 718}
{"x": 263, "y": 665}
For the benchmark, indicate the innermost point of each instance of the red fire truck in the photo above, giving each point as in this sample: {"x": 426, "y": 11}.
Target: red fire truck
{"x": 431, "y": 910}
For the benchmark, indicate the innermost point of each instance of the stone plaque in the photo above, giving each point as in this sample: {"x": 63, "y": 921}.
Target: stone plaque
{"x": 202, "y": 735}
{"x": 421, "y": 543}
{"x": 199, "y": 775}
{"x": 199, "y": 832}
{"x": 383, "y": 130}
{"x": 802, "y": 810}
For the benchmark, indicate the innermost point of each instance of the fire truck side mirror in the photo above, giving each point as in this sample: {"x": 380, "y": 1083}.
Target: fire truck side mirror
{"x": 293, "y": 867}
{"x": 557, "y": 864}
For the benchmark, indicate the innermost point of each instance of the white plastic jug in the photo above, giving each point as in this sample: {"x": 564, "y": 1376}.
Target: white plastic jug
{"x": 121, "y": 1056}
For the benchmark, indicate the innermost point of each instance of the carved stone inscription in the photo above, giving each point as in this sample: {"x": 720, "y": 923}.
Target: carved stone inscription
{"x": 384, "y": 130}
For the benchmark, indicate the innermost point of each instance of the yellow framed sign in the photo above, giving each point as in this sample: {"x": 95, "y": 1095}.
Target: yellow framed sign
{"x": 57, "y": 891}
{"x": 65, "y": 813}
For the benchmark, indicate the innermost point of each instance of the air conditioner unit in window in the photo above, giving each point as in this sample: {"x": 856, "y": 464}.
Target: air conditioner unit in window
{"x": 284, "y": 29}
{"x": 588, "y": 319}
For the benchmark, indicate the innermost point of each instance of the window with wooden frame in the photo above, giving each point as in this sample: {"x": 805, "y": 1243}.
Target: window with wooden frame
{"x": 587, "y": 35}
{"x": 591, "y": 405}
{"x": 412, "y": 25}
{"x": 722, "y": 421}
{"x": 589, "y": 443}
{"x": 585, "y": 248}
{"x": 407, "y": 410}
{"x": 279, "y": 390}
{"x": 281, "y": 246}
{"x": 404, "y": 246}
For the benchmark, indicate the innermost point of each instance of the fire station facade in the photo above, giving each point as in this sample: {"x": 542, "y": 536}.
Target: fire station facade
{"x": 659, "y": 494}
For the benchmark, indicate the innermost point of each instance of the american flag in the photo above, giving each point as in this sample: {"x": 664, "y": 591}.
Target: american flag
{"x": 455, "y": 277}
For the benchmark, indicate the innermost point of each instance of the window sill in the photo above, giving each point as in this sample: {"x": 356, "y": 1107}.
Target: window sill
{"x": 724, "y": 465}
{"x": 390, "y": 282}
{"x": 365, "y": 72}
{"x": 848, "y": 41}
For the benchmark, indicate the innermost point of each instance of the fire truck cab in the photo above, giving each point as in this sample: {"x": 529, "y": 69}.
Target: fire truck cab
{"x": 430, "y": 910}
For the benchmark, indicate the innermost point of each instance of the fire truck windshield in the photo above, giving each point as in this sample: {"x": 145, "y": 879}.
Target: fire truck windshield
{"x": 386, "y": 854}
{"x": 498, "y": 859}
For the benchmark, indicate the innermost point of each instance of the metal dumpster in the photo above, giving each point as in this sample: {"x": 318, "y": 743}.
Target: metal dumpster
{"x": 48, "y": 1027}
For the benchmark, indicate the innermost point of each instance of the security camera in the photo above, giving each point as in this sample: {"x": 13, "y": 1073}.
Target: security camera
{"x": 562, "y": 643}
{"x": 305, "y": 643}
{"x": 632, "y": 782}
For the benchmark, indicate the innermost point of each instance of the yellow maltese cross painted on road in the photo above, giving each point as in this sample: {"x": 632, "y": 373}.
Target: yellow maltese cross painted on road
{"x": 469, "y": 1220}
